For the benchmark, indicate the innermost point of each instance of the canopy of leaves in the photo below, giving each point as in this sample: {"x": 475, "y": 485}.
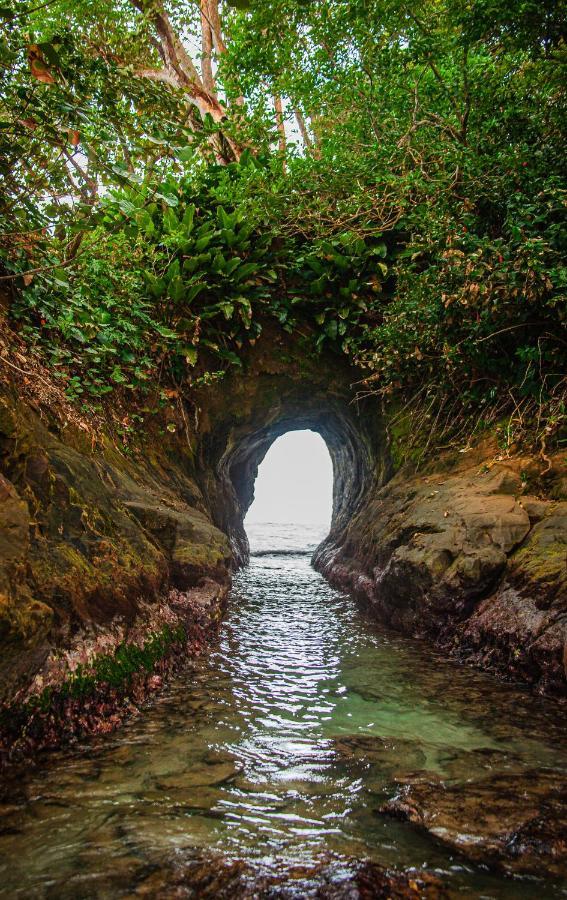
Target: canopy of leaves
{"x": 390, "y": 173}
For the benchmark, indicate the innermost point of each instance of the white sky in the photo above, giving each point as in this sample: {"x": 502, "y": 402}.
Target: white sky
{"x": 295, "y": 481}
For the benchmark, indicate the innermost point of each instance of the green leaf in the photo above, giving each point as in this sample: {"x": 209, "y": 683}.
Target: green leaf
{"x": 227, "y": 309}
{"x": 170, "y": 221}
{"x": 245, "y": 270}
{"x": 190, "y": 354}
{"x": 203, "y": 242}
{"x": 188, "y": 218}
{"x": 331, "y": 329}
{"x": 176, "y": 289}
{"x": 232, "y": 265}
{"x": 194, "y": 290}
{"x": 118, "y": 376}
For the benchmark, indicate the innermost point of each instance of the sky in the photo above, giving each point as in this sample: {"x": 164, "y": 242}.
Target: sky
{"x": 295, "y": 481}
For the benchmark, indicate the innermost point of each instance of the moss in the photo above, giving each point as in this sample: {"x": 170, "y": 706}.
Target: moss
{"x": 23, "y": 620}
{"x": 114, "y": 671}
{"x": 403, "y": 447}
{"x": 190, "y": 554}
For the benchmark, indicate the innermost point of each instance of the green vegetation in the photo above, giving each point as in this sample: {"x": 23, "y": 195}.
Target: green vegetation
{"x": 110, "y": 670}
{"x": 387, "y": 177}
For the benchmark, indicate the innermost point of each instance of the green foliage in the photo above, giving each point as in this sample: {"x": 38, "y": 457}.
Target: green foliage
{"x": 417, "y": 226}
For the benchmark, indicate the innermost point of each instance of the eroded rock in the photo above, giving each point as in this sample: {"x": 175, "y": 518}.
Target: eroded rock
{"x": 514, "y": 821}
{"x": 464, "y": 558}
{"x": 330, "y": 879}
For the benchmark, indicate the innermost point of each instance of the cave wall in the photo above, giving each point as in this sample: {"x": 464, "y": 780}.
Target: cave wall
{"x": 100, "y": 540}
{"x": 286, "y": 388}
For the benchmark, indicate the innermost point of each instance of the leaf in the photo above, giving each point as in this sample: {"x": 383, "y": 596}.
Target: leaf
{"x": 117, "y": 375}
{"x": 380, "y": 250}
{"x": 38, "y": 66}
{"x": 173, "y": 271}
{"x": 331, "y": 329}
{"x": 227, "y": 309}
{"x": 170, "y": 199}
{"x": 314, "y": 264}
{"x": 176, "y": 289}
{"x": 203, "y": 242}
{"x": 187, "y": 220}
{"x": 190, "y": 354}
{"x": 170, "y": 221}
{"x": 245, "y": 270}
{"x": 218, "y": 263}
{"x": 194, "y": 291}
{"x": 232, "y": 265}
{"x": 231, "y": 357}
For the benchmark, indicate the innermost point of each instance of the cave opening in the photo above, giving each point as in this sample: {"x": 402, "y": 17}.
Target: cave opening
{"x": 293, "y": 494}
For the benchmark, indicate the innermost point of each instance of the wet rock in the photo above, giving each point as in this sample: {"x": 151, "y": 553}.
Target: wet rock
{"x": 195, "y": 547}
{"x": 513, "y": 821}
{"x": 330, "y": 879}
{"x": 522, "y": 627}
{"x": 200, "y": 775}
{"x": 463, "y": 558}
{"x": 388, "y": 754}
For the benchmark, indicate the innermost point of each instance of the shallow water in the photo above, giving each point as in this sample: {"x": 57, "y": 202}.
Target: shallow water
{"x": 244, "y": 753}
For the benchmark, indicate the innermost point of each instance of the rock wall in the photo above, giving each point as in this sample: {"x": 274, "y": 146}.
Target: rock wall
{"x": 91, "y": 539}
{"x": 465, "y": 555}
{"x": 103, "y": 541}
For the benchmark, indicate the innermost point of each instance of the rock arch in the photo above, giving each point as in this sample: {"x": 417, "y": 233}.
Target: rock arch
{"x": 284, "y": 388}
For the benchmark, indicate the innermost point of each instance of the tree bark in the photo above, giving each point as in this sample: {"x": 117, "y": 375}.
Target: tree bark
{"x": 280, "y": 126}
{"x": 180, "y": 72}
{"x": 305, "y": 136}
{"x": 180, "y": 69}
{"x": 207, "y": 50}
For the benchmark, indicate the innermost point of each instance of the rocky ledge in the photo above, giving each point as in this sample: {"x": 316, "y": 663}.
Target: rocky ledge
{"x": 111, "y": 571}
{"x": 515, "y": 822}
{"x": 470, "y": 558}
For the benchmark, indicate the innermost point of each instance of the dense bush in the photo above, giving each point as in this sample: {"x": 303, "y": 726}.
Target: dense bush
{"x": 413, "y": 213}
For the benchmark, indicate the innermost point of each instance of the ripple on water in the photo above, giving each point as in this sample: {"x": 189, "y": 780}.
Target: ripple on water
{"x": 283, "y": 744}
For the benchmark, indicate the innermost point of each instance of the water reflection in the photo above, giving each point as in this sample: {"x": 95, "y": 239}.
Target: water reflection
{"x": 282, "y": 745}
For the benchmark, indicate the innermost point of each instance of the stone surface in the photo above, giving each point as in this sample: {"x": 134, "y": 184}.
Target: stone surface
{"x": 516, "y": 822}
{"x": 89, "y": 539}
{"x": 462, "y": 557}
{"x": 331, "y": 879}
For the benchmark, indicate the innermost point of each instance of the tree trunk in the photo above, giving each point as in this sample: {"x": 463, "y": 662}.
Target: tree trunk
{"x": 180, "y": 71}
{"x": 305, "y": 136}
{"x": 207, "y": 50}
{"x": 280, "y": 126}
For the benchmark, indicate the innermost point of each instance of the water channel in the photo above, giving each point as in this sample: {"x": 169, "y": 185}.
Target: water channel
{"x": 249, "y": 752}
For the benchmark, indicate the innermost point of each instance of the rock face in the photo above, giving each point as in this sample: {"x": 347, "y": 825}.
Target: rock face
{"x": 516, "y": 822}
{"x": 192, "y": 876}
{"x": 464, "y": 558}
{"x": 93, "y": 535}
{"x": 89, "y": 539}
